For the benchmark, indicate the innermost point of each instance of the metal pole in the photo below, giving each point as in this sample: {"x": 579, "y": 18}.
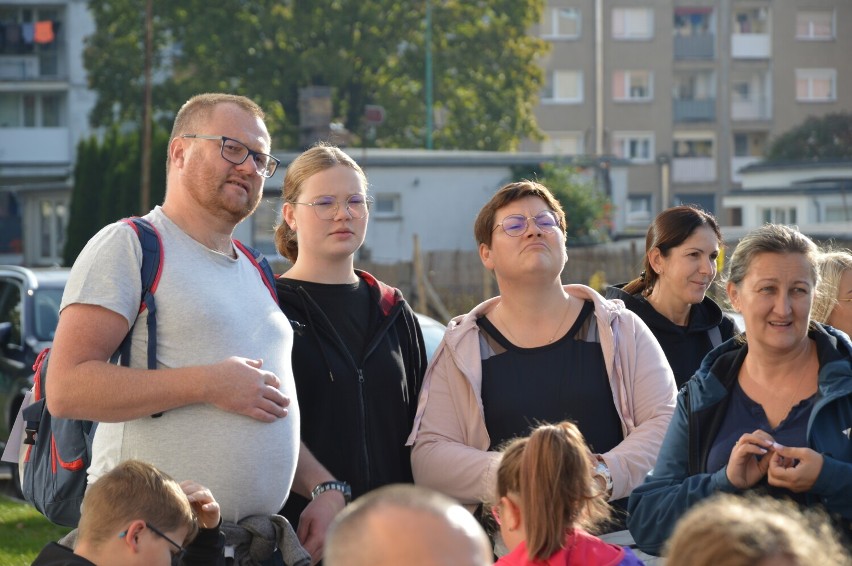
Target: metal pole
{"x": 428, "y": 74}
{"x": 145, "y": 189}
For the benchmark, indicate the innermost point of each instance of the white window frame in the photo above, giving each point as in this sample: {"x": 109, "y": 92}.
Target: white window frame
{"x": 808, "y": 17}
{"x": 633, "y": 30}
{"x": 551, "y": 28}
{"x": 778, "y": 214}
{"x": 628, "y": 86}
{"x": 395, "y": 201}
{"x": 556, "y": 142}
{"x": 811, "y": 76}
{"x": 553, "y": 84}
{"x": 638, "y": 210}
{"x": 622, "y": 145}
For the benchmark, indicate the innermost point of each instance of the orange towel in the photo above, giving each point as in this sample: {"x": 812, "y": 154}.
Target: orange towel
{"x": 44, "y": 32}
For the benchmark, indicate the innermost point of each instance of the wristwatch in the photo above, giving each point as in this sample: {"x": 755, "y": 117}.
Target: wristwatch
{"x": 335, "y": 485}
{"x": 602, "y": 470}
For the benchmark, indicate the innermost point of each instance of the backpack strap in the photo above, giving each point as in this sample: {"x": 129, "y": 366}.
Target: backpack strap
{"x": 152, "y": 269}
{"x": 262, "y": 266}
{"x": 715, "y": 336}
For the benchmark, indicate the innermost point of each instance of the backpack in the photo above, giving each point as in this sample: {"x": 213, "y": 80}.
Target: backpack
{"x": 56, "y": 453}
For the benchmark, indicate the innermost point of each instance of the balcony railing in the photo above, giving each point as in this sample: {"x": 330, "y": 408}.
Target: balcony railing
{"x": 694, "y": 110}
{"x": 751, "y": 109}
{"x": 693, "y": 169}
{"x": 751, "y": 46}
{"x": 35, "y": 145}
{"x": 19, "y": 67}
{"x": 695, "y": 47}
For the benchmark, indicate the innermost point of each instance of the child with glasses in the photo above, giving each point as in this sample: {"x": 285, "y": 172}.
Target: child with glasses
{"x": 138, "y": 515}
{"x": 546, "y": 499}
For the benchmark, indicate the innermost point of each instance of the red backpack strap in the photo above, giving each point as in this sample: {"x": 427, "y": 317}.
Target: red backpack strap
{"x": 262, "y": 265}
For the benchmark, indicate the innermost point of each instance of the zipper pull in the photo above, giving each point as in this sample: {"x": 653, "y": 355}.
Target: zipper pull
{"x": 360, "y": 375}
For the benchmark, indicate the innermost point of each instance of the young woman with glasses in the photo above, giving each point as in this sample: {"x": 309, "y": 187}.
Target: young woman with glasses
{"x": 358, "y": 353}
{"x": 669, "y": 295}
{"x": 833, "y": 300}
{"x": 540, "y": 351}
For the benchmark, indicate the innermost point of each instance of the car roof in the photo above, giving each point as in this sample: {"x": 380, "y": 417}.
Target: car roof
{"x": 38, "y": 276}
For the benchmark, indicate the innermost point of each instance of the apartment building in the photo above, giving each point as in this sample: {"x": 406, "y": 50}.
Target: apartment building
{"x": 690, "y": 91}
{"x": 44, "y": 108}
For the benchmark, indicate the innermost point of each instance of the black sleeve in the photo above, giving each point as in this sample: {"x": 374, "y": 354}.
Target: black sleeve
{"x": 208, "y": 549}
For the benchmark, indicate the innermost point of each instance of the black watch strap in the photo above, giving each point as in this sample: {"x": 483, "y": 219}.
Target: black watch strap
{"x": 335, "y": 485}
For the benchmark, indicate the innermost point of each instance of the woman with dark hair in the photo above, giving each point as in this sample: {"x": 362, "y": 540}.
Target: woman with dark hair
{"x": 669, "y": 295}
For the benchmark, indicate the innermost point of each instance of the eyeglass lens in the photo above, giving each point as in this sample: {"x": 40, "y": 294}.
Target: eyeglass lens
{"x": 236, "y": 152}
{"x": 327, "y": 206}
{"x": 516, "y": 224}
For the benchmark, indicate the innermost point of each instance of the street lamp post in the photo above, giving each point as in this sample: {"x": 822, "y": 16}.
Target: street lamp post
{"x": 428, "y": 78}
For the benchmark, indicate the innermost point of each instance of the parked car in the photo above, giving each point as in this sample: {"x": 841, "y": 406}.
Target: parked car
{"x": 29, "y": 312}
{"x": 433, "y": 333}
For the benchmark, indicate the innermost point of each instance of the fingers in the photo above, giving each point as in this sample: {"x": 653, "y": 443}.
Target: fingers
{"x": 309, "y": 538}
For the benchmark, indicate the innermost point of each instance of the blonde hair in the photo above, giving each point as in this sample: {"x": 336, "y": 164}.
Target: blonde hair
{"x": 551, "y": 472}
{"x": 742, "y": 531}
{"x": 833, "y": 264}
{"x": 317, "y": 159}
{"x": 130, "y": 491}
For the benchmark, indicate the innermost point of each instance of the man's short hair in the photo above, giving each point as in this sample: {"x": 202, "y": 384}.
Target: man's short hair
{"x": 352, "y": 542}
{"x": 134, "y": 490}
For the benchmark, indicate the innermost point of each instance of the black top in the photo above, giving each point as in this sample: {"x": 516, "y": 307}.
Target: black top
{"x": 358, "y": 364}
{"x": 565, "y": 380}
{"x": 684, "y": 346}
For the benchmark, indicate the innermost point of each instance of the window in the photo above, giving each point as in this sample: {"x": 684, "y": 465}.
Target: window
{"x": 53, "y": 224}
{"x": 704, "y": 201}
{"x": 387, "y": 205}
{"x": 632, "y": 23}
{"x": 563, "y": 143}
{"x": 560, "y": 23}
{"x": 639, "y": 209}
{"x": 691, "y": 21}
{"x": 564, "y": 87}
{"x": 632, "y": 85}
{"x": 693, "y": 148}
{"x": 778, "y": 215}
{"x": 815, "y": 25}
{"x": 838, "y": 213}
{"x": 751, "y": 21}
{"x": 816, "y": 85}
{"x": 32, "y": 110}
{"x": 46, "y": 27}
{"x": 636, "y": 146}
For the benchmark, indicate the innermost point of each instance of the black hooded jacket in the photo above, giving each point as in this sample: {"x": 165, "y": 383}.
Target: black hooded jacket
{"x": 356, "y": 413}
{"x": 684, "y": 346}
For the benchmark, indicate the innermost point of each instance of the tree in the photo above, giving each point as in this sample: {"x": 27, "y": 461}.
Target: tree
{"x": 817, "y": 139}
{"x": 587, "y": 210}
{"x": 486, "y": 75}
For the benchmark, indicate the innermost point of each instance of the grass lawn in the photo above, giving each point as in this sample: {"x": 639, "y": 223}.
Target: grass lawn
{"x": 23, "y": 533}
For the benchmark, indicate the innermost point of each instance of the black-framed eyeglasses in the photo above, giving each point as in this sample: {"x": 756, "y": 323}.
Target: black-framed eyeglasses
{"x": 326, "y": 206}
{"x": 516, "y": 224}
{"x": 177, "y": 556}
{"x": 236, "y": 152}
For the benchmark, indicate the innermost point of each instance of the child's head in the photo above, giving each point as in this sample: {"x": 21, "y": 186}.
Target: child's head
{"x": 549, "y": 477}
{"x": 133, "y": 491}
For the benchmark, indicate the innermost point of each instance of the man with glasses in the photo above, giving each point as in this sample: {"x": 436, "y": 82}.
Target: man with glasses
{"x": 222, "y": 398}
{"x": 119, "y": 517}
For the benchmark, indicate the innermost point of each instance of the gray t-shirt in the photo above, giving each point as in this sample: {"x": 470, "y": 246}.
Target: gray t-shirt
{"x": 209, "y": 307}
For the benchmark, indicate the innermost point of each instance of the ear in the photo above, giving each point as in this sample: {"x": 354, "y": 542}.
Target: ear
{"x": 288, "y": 213}
{"x": 511, "y": 514}
{"x": 733, "y": 295}
{"x": 656, "y": 259}
{"x": 177, "y": 150}
{"x": 131, "y": 535}
{"x": 485, "y": 256}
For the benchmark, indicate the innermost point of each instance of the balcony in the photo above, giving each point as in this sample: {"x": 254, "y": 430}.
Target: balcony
{"x": 34, "y": 145}
{"x": 693, "y": 169}
{"x": 694, "y": 110}
{"x": 738, "y": 163}
{"x": 19, "y": 67}
{"x": 751, "y": 109}
{"x": 695, "y": 47}
{"x": 751, "y": 46}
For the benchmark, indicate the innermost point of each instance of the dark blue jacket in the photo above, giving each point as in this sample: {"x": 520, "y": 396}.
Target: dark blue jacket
{"x": 680, "y": 478}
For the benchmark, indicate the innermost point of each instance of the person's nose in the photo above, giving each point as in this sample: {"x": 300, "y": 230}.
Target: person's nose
{"x": 342, "y": 211}
{"x": 248, "y": 166}
{"x": 783, "y": 305}
{"x": 533, "y": 229}
{"x": 707, "y": 267}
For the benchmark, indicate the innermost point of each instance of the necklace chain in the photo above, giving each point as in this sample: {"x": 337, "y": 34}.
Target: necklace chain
{"x": 512, "y": 336}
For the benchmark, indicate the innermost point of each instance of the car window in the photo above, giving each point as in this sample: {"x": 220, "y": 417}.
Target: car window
{"x": 10, "y": 311}
{"x": 47, "y": 303}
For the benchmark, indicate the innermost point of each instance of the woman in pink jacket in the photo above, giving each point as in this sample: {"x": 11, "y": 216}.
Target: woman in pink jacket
{"x": 539, "y": 352}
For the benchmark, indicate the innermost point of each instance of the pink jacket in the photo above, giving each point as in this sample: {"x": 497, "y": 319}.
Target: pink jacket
{"x": 449, "y": 438}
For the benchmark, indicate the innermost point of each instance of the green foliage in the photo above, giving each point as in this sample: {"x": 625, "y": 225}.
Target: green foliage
{"x": 107, "y": 178}
{"x": 23, "y": 533}
{"x": 587, "y": 210}
{"x": 486, "y": 78}
{"x": 817, "y": 139}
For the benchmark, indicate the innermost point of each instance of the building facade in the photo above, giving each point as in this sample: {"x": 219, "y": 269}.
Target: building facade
{"x": 690, "y": 91}
{"x": 44, "y": 109}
